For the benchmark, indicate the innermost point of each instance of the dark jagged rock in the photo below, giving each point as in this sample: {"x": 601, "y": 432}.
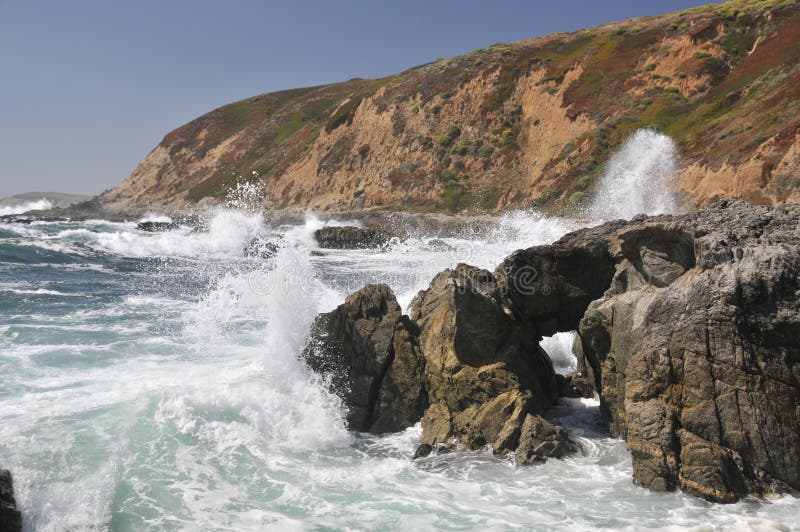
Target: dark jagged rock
{"x": 350, "y": 237}
{"x": 10, "y": 517}
{"x": 154, "y": 227}
{"x": 690, "y": 332}
{"x": 484, "y": 373}
{"x": 260, "y": 248}
{"x": 15, "y": 219}
{"x": 369, "y": 350}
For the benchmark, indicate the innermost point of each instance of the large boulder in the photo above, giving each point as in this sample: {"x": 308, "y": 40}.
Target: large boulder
{"x": 369, "y": 352}
{"x": 10, "y": 517}
{"x": 485, "y": 373}
{"x": 695, "y": 350}
{"x": 350, "y": 237}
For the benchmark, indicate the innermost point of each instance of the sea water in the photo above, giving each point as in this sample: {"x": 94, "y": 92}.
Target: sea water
{"x": 152, "y": 381}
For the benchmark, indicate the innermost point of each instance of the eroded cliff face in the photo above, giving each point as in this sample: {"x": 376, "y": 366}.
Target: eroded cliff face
{"x": 513, "y": 123}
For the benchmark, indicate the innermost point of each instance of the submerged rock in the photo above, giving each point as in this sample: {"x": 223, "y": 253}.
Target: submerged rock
{"x": 540, "y": 439}
{"x": 10, "y": 517}
{"x": 154, "y": 227}
{"x": 350, "y": 237}
{"x": 260, "y": 248}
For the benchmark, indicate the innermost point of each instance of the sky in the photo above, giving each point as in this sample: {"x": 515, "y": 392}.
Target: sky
{"x": 89, "y": 87}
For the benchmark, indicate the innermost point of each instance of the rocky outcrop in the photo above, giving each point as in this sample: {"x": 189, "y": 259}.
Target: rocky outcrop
{"x": 484, "y": 372}
{"x": 462, "y": 364}
{"x": 689, "y": 328}
{"x": 10, "y": 517}
{"x": 350, "y": 237}
{"x": 369, "y": 351}
{"x": 695, "y": 350}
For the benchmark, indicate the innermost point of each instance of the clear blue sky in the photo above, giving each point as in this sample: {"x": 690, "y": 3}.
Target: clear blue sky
{"x": 88, "y": 88}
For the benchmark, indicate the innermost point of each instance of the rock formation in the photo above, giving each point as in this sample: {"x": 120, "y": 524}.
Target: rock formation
{"x": 10, "y": 518}
{"x": 463, "y": 365}
{"x": 369, "y": 351}
{"x": 350, "y": 237}
{"x": 689, "y": 331}
{"x": 485, "y": 373}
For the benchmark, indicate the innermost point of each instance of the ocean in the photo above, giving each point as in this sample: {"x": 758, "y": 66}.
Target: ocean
{"x": 152, "y": 381}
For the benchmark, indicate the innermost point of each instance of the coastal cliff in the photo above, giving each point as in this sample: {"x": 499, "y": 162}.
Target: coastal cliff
{"x": 512, "y": 124}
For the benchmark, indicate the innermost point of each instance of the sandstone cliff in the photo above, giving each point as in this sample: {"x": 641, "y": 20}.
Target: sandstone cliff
{"x": 512, "y": 123}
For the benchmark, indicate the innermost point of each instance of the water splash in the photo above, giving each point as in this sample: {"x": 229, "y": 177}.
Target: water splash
{"x": 638, "y": 179}
{"x": 26, "y": 206}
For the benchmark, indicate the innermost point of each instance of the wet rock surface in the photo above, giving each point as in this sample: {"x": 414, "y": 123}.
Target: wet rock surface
{"x": 155, "y": 227}
{"x": 10, "y": 517}
{"x": 484, "y": 373}
{"x": 368, "y": 350}
{"x": 261, "y": 248}
{"x": 350, "y": 237}
{"x": 695, "y": 350}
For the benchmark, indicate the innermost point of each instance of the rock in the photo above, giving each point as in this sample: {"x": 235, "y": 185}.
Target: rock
{"x": 540, "y": 439}
{"x": 14, "y": 219}
{"x": 154, "y": 227}
{"x": 437, "y": 244}
{"x": 688, "y": 330}
{"x": 350, "y": 237}
{"x": 695, "y": 350}
{"x": 484, "y": 374}
{"x": 575, "y": 385}
{"x": 549, "y": 287}
{"x": 260, "y": 248}
{"x": 10, "y": 517}
{"x": 369, "y": 350}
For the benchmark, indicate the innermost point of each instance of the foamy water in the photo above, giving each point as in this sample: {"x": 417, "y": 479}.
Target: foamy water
{"x": 152, "y": 381}
{"x": 25, "y": 206}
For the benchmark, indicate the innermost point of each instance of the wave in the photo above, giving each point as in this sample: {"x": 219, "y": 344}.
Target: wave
{"x": 26, "y": 206}
{"x": 639, "y": 179}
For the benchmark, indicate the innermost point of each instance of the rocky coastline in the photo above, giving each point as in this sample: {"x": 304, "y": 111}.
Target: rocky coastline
{"x": 688, "y": 331}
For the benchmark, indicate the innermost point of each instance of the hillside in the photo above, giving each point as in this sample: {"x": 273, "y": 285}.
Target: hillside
{"x": 514, "y": 123}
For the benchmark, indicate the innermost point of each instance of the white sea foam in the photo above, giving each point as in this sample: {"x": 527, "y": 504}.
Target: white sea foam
{"x": 638, "y": 179}
{"x": 559, "y": 348}
{"x": 228, "y": 233}
{"x": 25, "y": 206}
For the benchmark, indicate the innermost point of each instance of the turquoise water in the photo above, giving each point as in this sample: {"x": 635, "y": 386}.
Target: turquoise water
{"x": 152, "y": 382}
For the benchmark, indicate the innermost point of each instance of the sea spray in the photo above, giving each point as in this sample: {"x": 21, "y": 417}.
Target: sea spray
{"x": 25, "y": 206}
{"x": 638, "y": 179}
